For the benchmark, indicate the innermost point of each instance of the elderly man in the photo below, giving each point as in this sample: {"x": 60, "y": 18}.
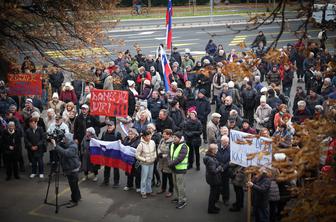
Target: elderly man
{"x": 223, "y": 156}
{"x": 302, "y": 113}
{"x": 213, "y": 128}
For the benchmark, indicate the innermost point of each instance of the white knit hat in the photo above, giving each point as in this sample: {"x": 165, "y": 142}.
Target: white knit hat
{"x": 231, "y": 84}
{"x": 55, "y": 95}
{"x": 91, "y": 130}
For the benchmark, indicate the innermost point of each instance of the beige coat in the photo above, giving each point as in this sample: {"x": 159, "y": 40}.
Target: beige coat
{"x": 212, "y": 132}
{"x": 146, "y": 152}
{"x": 56, "y": 106}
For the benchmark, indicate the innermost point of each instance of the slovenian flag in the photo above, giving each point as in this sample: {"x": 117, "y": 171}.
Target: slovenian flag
{"x": 112, "y": 154}
{"x": 166, "y": 69}
{"x": 169, "y": 31}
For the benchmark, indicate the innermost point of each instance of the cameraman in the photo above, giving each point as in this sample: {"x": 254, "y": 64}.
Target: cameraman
{"x": 69, "y": 160}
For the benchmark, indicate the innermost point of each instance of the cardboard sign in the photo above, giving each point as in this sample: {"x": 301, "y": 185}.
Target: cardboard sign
{"x": 25, "y": 84}
{"x": 109, "y": 103}
{"x": 250, "y": 150}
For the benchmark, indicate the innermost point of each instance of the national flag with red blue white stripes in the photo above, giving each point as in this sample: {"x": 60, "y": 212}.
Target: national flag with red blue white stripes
{"x": 169, "y": 30}
{"x": 166, "y": 69}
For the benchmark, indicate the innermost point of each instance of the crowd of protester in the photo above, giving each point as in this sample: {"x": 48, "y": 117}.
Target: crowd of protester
{"x": 167, "y": 128}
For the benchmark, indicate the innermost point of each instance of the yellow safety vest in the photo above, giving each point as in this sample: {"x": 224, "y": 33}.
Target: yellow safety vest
{"x": 175, "y": 153}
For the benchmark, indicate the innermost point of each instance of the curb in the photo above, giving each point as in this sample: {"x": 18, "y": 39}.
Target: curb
{"x": 190, "y": 25}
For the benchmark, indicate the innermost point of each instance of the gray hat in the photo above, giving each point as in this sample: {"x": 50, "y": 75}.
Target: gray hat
{"x": 68, "y": 137}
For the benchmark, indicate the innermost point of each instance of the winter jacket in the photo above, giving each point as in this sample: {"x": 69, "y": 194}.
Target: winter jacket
{"x": 312, "y": 102}
{"x": 248, "y": 97}
{"x": 69, "y": 158}
{"x": 274, "y": 194}
{"x": 288, "y": 78}
{"x": 262, "y": 116}
{"x": 58, "y": 106}
{"x": 131, "y": 103}
{"x": 14, "y": 140}
{"x": 113, "y": 136}
{"x": 178, "y": 117}
{"x": 273, "y": 77}
{"x": 273, "y": 101}
{"x": 146, "y": 152}
{"x": 5, "y": 104}
{"x": 161, "y": 125}
{"x": 258, "y": 39}
{"x": 223, "y": 157}
{"x": 237, "y": 175}
{"x": 146, "y": 93}
{"x": 224, "y": 110}
{"x": 82, "y": 123}
{"x": 192, "y": 131}
{"x": 203, "y": 109}
{"x": 56, "y": 79}
{"x": 261, "y": 187}
{"x": 37, "y": 138}
{"x": 183, "y": 153}
{"x": 68, "y": 96}
{"x": 212, "y": 132}
{"x": 141, "y": 128}
{"x": 155, "y": 105}
{"x": 156, "y": 81}
{"x": 213, "y": 170}
{"x": 142, "y": 77}
{"x": 163, "y": 153}
{"x": 218, "y": 86}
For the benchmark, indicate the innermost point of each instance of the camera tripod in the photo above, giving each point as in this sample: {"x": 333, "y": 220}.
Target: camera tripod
{"x": 54, "y": 172}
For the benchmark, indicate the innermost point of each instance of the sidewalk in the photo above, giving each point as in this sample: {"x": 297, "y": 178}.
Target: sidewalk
{"x": 182, "y": 11}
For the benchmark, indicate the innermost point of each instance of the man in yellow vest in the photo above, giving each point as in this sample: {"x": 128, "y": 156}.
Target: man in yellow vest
{"x": 178, "y": 162}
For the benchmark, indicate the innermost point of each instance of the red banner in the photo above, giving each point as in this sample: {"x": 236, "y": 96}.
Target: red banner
{"x": 24, "y": 84}
{"x": 109, "y": 103}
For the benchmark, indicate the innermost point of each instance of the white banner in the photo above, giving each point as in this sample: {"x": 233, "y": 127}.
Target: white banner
{"x": 250, "y": 150}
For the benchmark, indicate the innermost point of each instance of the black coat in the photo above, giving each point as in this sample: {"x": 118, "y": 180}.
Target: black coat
{"x": 261, "y": 187}
{"x": 288, "y": 79}
{"x": 131, "y": 103}
{"x": 213, "y": 170}
{"x": 178, "y": 118}
{"x": 35, "y": 139}
{"x": 69, "y": 158}
{"x": 114, "y": 136}
{"x": 155, "y": 106}
{"x": 161, "y": 125}
{"x": 56, "y": 79}
{"x": 11, "y": 140}
{"x": 203, "y": 109}
{"x": 224, "y": 110}
{"x": 192, "y": 131}
{"x": 82, "y": 123}
{"x": 223, "y": 157}
{"x": 248, "y": 97}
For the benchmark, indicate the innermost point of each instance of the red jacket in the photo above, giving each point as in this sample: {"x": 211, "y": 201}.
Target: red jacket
{"x": 146, "y": 75}
{"x": 68, "y": 96}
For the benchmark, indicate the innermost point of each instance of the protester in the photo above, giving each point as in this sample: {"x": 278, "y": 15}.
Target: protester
{"x": 146, "y": 154}
{"x": 213, "y": 177}
{"x": 178, "y": 162}
{"x": 87, "y": 166}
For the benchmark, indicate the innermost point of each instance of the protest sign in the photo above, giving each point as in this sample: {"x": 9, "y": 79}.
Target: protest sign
{"x": 24, "y": 84}
{"x": 109, "y": 103}
{"x": 250, "y": 150}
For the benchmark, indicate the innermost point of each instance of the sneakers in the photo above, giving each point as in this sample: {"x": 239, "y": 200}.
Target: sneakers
{"x": 41, "y": 176}
{"x": 181, "y": 205}
{"x": 32, "y": 176}
{"x": 168, "y": 194}
{"x": 95, "y": 179}
{"x": 143, "y": 196}
{"x": 138, "y": 190}
{"x": 72, "y": 204}
{"x": 127, "y": 188}
{"x": 85, "y": 178}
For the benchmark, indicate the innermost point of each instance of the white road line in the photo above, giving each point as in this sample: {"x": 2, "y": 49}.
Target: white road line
{"x": 134, "y": 34}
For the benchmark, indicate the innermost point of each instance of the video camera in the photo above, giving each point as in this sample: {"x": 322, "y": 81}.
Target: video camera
{"x": 57, "y": 135}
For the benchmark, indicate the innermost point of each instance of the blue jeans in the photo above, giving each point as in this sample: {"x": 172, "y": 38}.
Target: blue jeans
{"x": 146, "y": 178}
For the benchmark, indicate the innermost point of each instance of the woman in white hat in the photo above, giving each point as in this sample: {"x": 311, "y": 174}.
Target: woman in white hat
{"x": 85, "y": 150}
{"x": 68, "y": 93}
{"x": 55, "y": 103}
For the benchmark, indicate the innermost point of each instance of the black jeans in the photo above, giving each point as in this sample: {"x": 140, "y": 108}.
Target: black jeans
{"x": 37, "y": 160}
{"x": 239, "y": 196}
{"x": 248, "y": 114}
{"x": 193, "y": 149}
{"x": 11, "y": 163}
{"x": 169, "y": 177}
{"x": 213, "y": 196}
{"x": 136, "y": 173}
{"x": 225, "y": 188}
{"x": 273, "y": 211}
{"x": 73, "y": 183}
{"x": 204, "y": 131}
{"x": 107, "y": 173}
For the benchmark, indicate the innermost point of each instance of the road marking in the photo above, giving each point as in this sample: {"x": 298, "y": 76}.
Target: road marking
{"x": 135, "y": 34}
{"x": 175, "y": 44}
{"x": 238, "y": 39}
